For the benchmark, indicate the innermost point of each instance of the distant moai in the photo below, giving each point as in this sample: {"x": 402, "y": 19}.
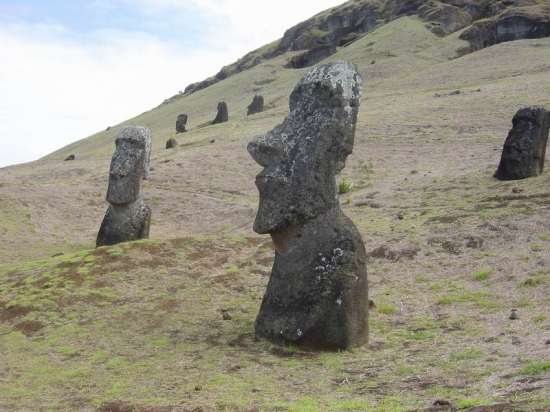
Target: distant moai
{"x": 257, "y": 105}
{"x": 181, "y": 123}
{"x": 525, "y": 147}
{"x": 128, "y": 217}
{"x": 317, "y": 296}
{"x": 171, "y": 143}
{"x": 223, "y": 113}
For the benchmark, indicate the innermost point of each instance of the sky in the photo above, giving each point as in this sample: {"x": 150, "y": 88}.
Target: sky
{"x": 70, "y": 68}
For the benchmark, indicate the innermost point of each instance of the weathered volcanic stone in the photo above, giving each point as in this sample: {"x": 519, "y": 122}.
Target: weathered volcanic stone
{"x": 257, "y": 105}
{"x": 127, "y": 217}
{"x": 311, "y": 57}
{"x": 525, "y": 147}
{"x": 223, "y": 113}
{"x": 124, "y": 224}
{"x": 181, "y": 123}
{"x": 317, "y": 296}
{"x": 171, "y": 143}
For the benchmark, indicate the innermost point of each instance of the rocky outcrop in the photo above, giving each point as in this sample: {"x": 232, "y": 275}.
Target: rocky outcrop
{"x": 317, "y": 295}
{"x": 525, "y": 147}
{"x": 222, "y": 115}
{"x": 497, "y": 21}
{"x": 508, "y": 26}
{"x": 257, "y": 105}
{"x": 311, "y": 57}
{"x": 128, "y": 217}
{"x": 181, "y": 123}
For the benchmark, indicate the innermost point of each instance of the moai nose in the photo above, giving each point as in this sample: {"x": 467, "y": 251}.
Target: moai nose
{"x": 266, "y": 150}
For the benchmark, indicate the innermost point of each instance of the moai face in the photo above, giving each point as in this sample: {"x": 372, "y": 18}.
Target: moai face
{"x": 526, "y": 120}
{"x": 128, "y": 165}
{"x": 302, "y": 156}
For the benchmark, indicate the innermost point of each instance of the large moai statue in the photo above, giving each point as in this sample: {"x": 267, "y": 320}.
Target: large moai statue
{"x": 257, "y": 105}
{"x": 181, "y": 123}
{"x": 317, "y": 296}
{"x": 128, "y": 217}
{"x": 223, "y": 113}
{"x": 525, "y": 147}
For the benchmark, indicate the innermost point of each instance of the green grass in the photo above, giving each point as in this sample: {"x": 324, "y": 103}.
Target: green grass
{"x": 535, "y": 367}
{"x": 481, "y": 275}
{"x": 386, "y": 308}
{"x": 471, "y": 403}
{"x": 345, "y": 186}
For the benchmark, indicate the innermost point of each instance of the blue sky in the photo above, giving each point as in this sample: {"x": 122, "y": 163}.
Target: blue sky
{"x": 71, "y": 67}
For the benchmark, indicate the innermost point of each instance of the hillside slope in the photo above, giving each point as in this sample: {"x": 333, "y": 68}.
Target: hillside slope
{"x": 453, "y": 251}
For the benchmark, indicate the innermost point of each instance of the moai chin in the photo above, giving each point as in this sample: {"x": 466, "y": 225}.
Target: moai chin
{"x": 128, "y": 217}
{"x": 317, "y": 296}
{"x": 525, "y": 147}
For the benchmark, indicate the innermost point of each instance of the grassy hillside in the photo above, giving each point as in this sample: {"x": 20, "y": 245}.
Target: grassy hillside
{"x": 453, "y": 251}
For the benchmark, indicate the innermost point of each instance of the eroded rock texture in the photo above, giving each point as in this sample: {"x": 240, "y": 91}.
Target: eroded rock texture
{"x": 223, "y": 113}
{"x": 508, "y": 25}
{"x": 181, "y": 123}
{"x": 128, "y": 217}
{"x": 311, "y": 57}
{"x": 317, "y": 295}
{"x": 257, "y": 105}
{"x": 525, "y": 147}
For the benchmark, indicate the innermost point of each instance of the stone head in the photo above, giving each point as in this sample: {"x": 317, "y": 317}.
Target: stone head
{"x": 302, "y": 156}
{"x": 129, "y": 165}
{"x": 528, "y": 119}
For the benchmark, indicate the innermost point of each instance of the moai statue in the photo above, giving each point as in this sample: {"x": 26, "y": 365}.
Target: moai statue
{"x": 257, "y": 105}
{"x": 181, "y": 123}
{"x": 317, "y": 296}
{"x": 128, "y": 217}
{"x": 525, "y": 147}
{"x": 223, "y": 113}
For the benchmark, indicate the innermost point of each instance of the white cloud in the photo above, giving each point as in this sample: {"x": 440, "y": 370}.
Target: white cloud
{"x": 55, "y": 91}
{"x": 57, "y": 88}
{"x": 249, "y": 22}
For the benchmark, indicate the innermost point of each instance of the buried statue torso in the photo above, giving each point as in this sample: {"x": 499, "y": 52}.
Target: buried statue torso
{"x": 317, "y": 295}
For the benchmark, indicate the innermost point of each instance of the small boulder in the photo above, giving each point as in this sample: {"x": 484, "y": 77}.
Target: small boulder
{"x": 223, "y": 113}
{"x": 525, "y": 147}
{"x": 257, "y": 105}
{"x": 171, "y": 143}
{"x": 181, "y": 123}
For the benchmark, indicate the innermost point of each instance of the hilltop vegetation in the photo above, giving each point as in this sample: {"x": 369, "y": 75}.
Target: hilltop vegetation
{"x": 453, "y": 251}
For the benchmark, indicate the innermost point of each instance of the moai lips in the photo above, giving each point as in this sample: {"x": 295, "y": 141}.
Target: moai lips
{"x": 525, "y": 147}
{"x": 317, "y": 295}
{"x": 127, "y": 217}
